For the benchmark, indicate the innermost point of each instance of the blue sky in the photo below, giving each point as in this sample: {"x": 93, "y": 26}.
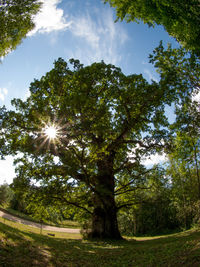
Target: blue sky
{"x": 80, "y": 29}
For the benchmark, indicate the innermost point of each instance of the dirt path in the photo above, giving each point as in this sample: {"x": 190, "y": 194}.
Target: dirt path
{"x": 38, "y": 225}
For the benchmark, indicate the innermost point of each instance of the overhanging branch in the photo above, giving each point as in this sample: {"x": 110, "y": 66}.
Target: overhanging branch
{"x": 71, "y": 203}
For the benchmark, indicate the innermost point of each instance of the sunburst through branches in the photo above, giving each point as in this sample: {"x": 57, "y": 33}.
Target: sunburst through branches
{"x": 52, "y": 134}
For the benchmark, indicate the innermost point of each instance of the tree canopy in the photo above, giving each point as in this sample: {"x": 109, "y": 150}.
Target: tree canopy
{"x": 16, "y": 20}
{"x": 180, "y": 18}
{"x": 103, "y": 124}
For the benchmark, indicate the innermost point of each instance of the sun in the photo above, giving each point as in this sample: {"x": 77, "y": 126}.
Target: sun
{"x": 51, "y": 135}
{"x": 51, "y": 132}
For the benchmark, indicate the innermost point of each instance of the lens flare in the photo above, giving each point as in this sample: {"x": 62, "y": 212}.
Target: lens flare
{"x": 52, "y": 135}
{"x": 51, "y": 132}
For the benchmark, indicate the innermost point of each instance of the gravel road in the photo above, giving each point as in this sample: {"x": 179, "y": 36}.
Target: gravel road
{"x": 38, "y": 225}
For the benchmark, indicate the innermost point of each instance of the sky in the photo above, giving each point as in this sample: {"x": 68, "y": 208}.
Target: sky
{"x": 79, "y": 29}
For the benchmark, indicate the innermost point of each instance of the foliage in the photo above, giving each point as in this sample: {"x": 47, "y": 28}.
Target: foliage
{"x": 178, "y": 203}
{"x": 16, "y": 20}
{"x": 153, "y": 212}
{"x": 183, "y": 149}
{"x": 6, "y": 194}
{"x": 196, "y": 209}
{"x": 106, "y": 123}
{"x": 184, "y": 162}
{"x": 179, "y": 18}
{"x": 179, "y": 69}
{"x": 20, "y": 200}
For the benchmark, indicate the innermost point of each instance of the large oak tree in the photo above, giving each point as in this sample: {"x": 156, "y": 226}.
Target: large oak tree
{"x": 83, "y": 132}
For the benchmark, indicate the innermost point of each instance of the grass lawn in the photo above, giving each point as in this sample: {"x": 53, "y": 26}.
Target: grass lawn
{"x": 24, "y": 246}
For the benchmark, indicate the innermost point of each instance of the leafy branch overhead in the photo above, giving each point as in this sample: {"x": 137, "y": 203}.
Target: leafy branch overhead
{"x": 180, "y": 18}
{"x": 16, "y": 20}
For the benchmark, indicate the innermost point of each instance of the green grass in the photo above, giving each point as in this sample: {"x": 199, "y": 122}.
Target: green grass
{"x": 24, "y": 246}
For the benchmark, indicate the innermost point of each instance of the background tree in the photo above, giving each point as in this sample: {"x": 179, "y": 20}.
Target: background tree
{"x": 180, "y": 18}
{"x": 184, "y": 161}
{"x": 187, "y": 128}
{"x": 16, "y": 20}
{"x": 183, "y": 70}
{"x": 153, "y": 211}
{"x": 6, "y": 194}
{"x": 178, "y": 69}
{"x": 83, "y": 132}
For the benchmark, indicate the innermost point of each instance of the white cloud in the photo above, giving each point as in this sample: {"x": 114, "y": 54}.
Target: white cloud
{"x": 196, "y": 97}
{"x": 27, "y": 94}
{"x": 50, "y": 18}
{"x": 150, "y": 160}
{"x": 3, "y": 93}
{"x": 154, "y": 159}
{"x": 102, "y": 38}
{"x": 7, "y": 170}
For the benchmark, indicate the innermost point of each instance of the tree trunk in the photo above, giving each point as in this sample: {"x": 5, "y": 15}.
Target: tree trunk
{"x": 135, "y": 225}
{"x": 104, "y": 219}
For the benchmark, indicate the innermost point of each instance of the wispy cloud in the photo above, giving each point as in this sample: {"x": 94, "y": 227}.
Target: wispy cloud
{"x": 98, "y": 37}
{"x": 50, "y": 18}
{"x": 102, "y": 38}
{"x": 3, "y": 93}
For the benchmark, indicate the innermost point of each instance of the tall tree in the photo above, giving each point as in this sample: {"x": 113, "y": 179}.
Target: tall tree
{"x": 83, "y": 132}
{"x": 6, "y": 194}
{"x": 184, "y": 181}
{"x": 187, "y": 141}
{"x": 183, "y": 71}
{"x": 16, "y": 20}
{"x": 153, "y": 211}
{"x": 180, "y": 18}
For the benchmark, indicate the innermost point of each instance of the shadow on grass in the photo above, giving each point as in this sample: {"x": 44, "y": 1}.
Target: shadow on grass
{"x": 16, "y": 250}
{"x": 22, "y": 248}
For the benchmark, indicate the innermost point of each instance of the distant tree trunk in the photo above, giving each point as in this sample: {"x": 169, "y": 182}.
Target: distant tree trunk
{"x": 135, "y": 225}
{"x": 104, "y": 219}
